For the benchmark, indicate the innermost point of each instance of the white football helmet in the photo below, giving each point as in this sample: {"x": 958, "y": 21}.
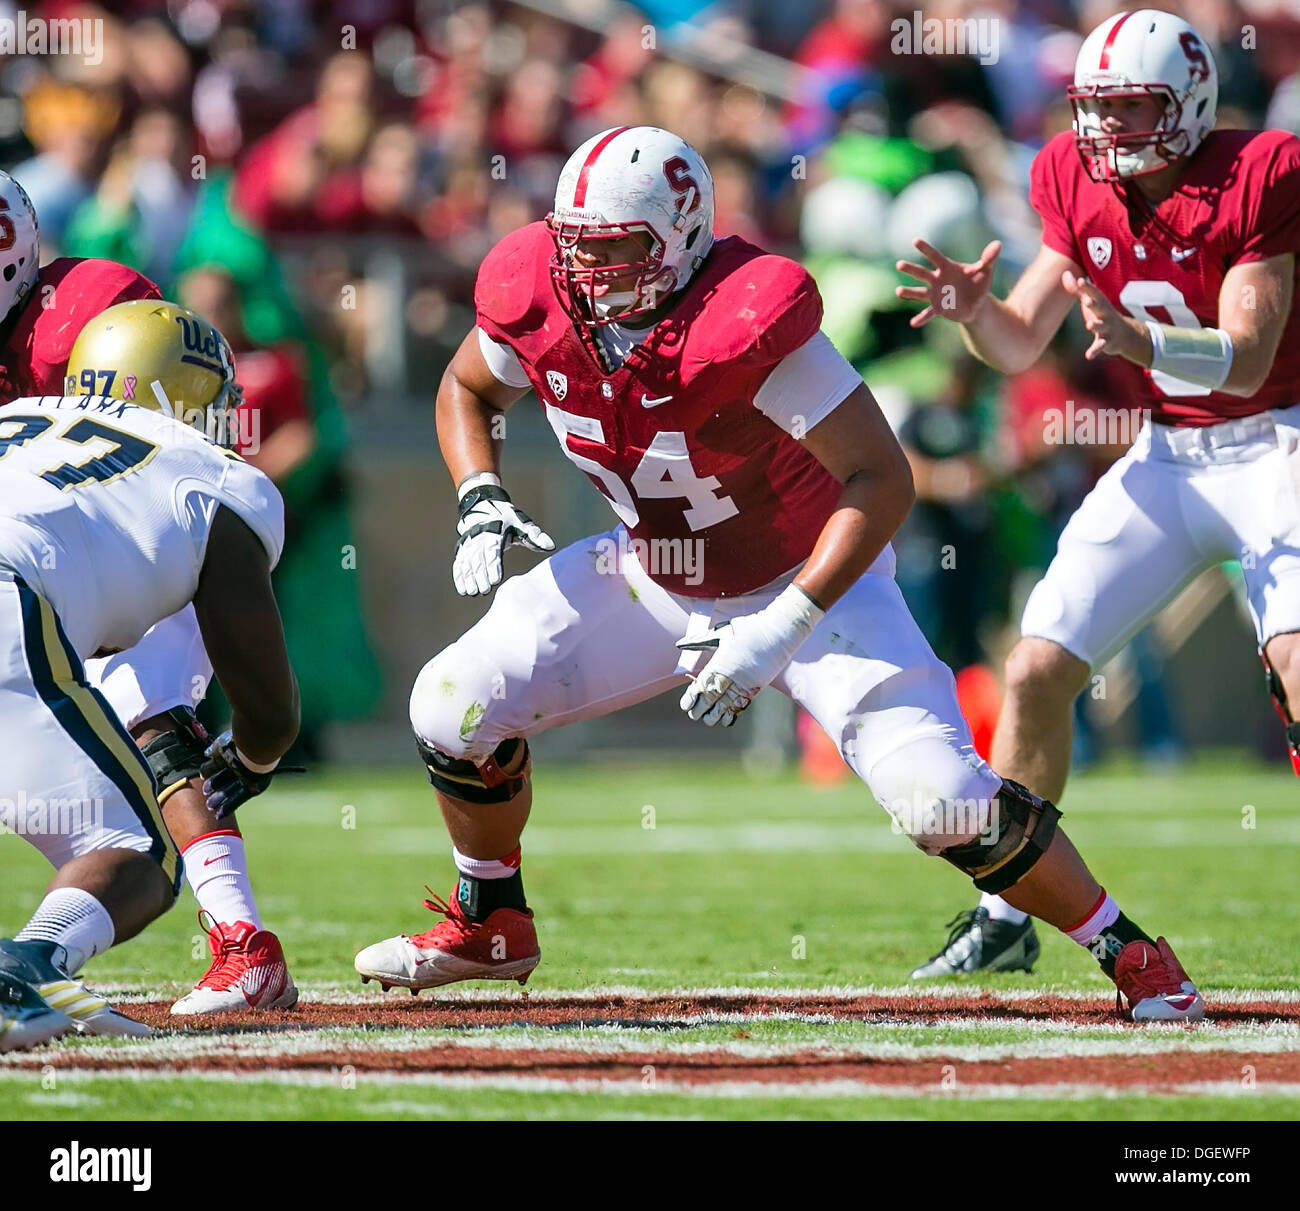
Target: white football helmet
{"x": 1145, "y": 53}
{"x": 631, "y": 180}
{"x": 20, "y": 246}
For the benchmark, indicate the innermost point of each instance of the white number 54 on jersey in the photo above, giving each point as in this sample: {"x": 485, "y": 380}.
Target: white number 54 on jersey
{"x": 664, "y": 470}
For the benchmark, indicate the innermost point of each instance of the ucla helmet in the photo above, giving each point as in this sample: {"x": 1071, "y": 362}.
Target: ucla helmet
{"x": 163, "y": 356}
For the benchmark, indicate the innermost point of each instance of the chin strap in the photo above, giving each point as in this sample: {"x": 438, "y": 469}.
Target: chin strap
{"x": 1280, "y": 703}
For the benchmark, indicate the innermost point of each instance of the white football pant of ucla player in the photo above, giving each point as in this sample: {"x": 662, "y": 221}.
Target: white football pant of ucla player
{"x": 74, "y": 780}
{"x": 167, "y": 668}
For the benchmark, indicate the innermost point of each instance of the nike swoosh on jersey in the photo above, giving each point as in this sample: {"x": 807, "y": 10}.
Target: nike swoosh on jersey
{"x": 647, "y": 402}
{"x": 1182, "y": 254}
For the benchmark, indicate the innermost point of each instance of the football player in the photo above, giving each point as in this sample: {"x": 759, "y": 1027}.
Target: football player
{"x": 155, "y": 685}
{"x": 1178, "y": 244}
{"x": 113, "y": 515}
{"x": 756, "y": 486}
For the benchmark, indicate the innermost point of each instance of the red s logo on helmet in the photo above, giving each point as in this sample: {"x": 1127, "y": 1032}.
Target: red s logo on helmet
{"x": 1195, "y": 53}
{"x": 678, "y": 173}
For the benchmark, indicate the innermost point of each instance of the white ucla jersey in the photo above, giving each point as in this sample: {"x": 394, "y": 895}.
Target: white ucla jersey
{"x": 105, "y": 510}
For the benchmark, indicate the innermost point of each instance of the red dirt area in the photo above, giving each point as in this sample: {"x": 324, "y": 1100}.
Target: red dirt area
{"x": 426, "y": 1012}
{"x": 1153, "y": 1073}
{"x": 305, "y": 1052}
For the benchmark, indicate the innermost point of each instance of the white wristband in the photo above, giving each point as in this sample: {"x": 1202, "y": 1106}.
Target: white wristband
{"x": 477, "y": 480}
{"x": 1194, "y": 355}
{"x": 794, "y": 607}
{"x": 256, "y": 766}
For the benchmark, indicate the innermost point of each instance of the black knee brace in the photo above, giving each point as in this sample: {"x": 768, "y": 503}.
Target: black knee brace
{"x": 175, "y": 756}
{"x": 1017, "y": 844}
{"x": 497, "y": 780}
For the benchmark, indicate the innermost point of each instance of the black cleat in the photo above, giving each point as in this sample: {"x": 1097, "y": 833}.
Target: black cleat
{"x": 978, "y": 943}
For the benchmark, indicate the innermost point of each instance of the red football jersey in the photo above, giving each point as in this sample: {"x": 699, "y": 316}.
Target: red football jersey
{"x": 69, "y": 292}
{"x": 672, "y": 437}
{"x": 1238, "y": 200}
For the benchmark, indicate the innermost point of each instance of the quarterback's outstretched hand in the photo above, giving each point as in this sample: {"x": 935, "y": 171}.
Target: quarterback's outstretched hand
{"x": 488, "y": 524}
{"x": 1113, "y": 333}
{"x": 750, "y": 651}
{"x": 952, "y": 289}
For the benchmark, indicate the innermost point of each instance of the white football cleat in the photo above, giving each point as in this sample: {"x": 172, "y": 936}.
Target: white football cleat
{"x": 502, "y": 947}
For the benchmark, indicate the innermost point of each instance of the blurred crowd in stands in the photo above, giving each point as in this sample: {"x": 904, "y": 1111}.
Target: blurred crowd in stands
{"x": 328, "y": 174}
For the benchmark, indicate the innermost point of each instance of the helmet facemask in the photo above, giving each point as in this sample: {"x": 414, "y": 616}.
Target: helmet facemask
{"x": 1145, "y": 151}
{"x": 646, "y": 187}
{"x": 223, "y": 411}
{"x": 586, "y": 292}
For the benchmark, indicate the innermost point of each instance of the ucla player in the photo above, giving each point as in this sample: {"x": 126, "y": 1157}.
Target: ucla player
{"x": 154, "y": 685}
{"x": 114, "y": 514}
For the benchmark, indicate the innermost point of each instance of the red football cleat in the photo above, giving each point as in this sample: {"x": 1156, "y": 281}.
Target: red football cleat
{"x": 503, "y": 947}
{"x": 248, "y": 972}
{"x": 1155, "y": 985}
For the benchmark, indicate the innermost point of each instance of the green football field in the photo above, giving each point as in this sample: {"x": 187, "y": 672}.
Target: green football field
{"x": 713, "y": 946}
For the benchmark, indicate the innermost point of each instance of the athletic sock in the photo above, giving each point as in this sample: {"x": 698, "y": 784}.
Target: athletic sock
{"x": 1106, "y": 931}
{"x": 217, "y": 869}
{"x": 487, "y": 884}
{"x": 75, "y": 920}
{"x": 1000, "y": 910}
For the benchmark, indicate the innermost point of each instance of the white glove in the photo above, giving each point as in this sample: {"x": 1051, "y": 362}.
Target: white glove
{"x": 751, "y": 651}
{"x": 488, "y": 524}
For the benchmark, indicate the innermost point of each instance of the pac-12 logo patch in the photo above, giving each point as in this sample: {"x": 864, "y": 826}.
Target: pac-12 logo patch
{"x": 1099, "y": 248}
{"x": 558, "y": 383}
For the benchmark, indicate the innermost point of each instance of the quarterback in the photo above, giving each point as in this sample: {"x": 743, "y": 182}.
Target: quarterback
{"x": 689, "y": 379}
{"x": 113, "y": 515}
{"x": 154, "y": 685}
{"x": 1178, "y": 243}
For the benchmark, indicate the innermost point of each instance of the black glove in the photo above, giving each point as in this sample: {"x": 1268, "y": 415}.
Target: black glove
{"x": 227, "y": 781}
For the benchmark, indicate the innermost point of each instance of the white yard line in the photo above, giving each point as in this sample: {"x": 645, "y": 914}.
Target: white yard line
{"x": 837, "y": 1089}
{"x": 342, "y": 1043}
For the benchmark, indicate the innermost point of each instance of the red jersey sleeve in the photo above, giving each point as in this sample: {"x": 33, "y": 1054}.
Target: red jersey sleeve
{"x": 68, "y": 294}
{"x": 1270, "y": 209}
{"x": 513, "y": 290}
{"x": 792, "y": 311}
{"x": 1049, "y": 187}
{"x": 766, "y": 308}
